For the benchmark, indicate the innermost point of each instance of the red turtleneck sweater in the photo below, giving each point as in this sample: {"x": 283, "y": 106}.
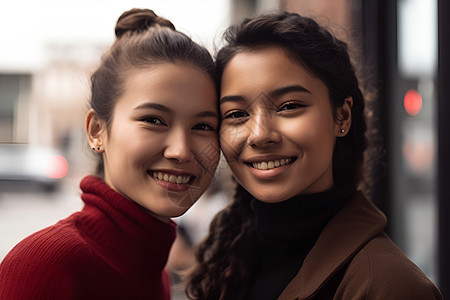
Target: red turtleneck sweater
{"x": 111, "y": 249}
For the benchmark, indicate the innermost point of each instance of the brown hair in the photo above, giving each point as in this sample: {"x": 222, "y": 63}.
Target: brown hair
{"x": 143, "y": 39}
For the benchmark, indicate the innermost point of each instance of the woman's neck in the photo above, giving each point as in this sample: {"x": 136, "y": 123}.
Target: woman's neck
{"x": 297, "y": 217}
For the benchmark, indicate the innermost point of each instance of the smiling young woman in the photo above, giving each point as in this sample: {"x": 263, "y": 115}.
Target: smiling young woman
{"x": 284, "y": 125}
{"x": 153, "y": 124}
{"x": 162, "y": 124}
{"x": 294, "y": 134}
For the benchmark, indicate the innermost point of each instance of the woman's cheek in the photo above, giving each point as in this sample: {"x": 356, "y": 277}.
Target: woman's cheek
{"x": 233, "y": 138}
{"x": 207, "y": 153}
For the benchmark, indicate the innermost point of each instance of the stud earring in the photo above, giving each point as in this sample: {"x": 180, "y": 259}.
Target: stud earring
{"x": 342, "y": 130}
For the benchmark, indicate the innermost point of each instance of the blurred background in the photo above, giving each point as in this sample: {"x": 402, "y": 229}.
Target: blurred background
{"x": 50, "y": 48}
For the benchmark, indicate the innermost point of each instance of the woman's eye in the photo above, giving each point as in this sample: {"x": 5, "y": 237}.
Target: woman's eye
{"x": 236, "y": 115}
{"x": 153, "y": 120}
{"x": 290, "y": 106}
{"x": 203, "y": 126}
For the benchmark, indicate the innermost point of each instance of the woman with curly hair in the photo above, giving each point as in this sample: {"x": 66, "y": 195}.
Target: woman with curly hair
{"x": 294, "y": 134}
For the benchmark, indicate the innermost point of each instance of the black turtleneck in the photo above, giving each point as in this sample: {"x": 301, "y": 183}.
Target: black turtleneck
{"x": 286, "y": 232}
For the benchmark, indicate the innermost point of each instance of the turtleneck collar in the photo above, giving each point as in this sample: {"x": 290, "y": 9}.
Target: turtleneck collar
{"x": 286, "y": 233}
{"x": 298, "y": 218}
{"x": 121, "y": 228}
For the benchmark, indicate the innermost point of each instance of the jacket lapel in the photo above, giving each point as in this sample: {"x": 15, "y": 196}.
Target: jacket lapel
{"x": 346, "y": 233}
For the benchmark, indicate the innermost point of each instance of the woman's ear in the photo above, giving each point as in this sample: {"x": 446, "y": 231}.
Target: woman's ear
{"x": 95, "y": 131}
{"x": 344, "y": 118}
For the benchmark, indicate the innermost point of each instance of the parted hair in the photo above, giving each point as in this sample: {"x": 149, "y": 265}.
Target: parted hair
{"x": 225, "y": 257}
{"x": 143, "y": 39}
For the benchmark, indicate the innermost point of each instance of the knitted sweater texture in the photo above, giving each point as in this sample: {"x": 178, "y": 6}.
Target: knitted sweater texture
{"x": 111, "y": 249}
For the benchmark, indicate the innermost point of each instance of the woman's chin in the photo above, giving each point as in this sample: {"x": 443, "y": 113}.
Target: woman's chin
{"x": 269, "y": 197}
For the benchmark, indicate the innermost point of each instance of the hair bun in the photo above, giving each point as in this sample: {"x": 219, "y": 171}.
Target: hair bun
{"x": 138, "y": 20}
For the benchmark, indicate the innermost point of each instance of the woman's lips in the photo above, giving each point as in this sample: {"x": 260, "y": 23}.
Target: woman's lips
{"x": 271, "y": 164}
{"x": 172, "y": 181}
{"x": 268, "y": 169}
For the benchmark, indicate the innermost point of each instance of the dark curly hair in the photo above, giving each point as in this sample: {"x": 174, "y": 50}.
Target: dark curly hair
{"x": 225, "y": 256}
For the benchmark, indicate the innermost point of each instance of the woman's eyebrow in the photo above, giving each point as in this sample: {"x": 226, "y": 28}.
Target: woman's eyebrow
{"x": 272, "y": 94}
{"x": 206, "y": 114}
{"x": 231, "y": 98}
{"x": 163, "y": 108}
{"x": 287, "y": 89}
{"x": 149, "y": 105}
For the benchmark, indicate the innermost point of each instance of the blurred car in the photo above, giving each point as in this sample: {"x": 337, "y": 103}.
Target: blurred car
{"x": 32, "y": 164}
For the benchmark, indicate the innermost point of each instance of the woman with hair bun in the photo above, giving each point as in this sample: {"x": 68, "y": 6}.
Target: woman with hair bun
{"x": 294, "y": 134}
{"x": 153, "y": 124}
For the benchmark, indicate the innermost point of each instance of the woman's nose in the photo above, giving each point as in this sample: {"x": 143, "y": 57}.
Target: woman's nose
{"x": 178, "y": 147}
{"x": 263, "y": 130}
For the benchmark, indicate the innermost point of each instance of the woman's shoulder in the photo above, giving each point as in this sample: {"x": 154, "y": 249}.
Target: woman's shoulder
{"x": 51, "y": 245}
{"x": 49, "y": 241}
{"x": 380, "y": 270}
{"x": 44, "y": 260}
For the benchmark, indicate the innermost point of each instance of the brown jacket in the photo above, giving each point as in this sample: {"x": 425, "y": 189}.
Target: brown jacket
{"x": 354, "y": 259}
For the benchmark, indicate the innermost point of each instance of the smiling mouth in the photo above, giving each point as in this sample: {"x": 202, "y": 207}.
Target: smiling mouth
{"x": 272, "y": 164}
{"x": 171, "y": 178}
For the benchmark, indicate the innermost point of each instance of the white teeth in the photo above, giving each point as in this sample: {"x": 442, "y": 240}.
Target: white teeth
{"x": 172, "y": 178}
{"x": 267, "y": 165}
{"x": 180, "y": 179}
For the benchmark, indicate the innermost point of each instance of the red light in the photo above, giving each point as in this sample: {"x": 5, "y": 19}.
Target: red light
{"x": 59, "y": 167}
{"x": 412, "y": 102}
